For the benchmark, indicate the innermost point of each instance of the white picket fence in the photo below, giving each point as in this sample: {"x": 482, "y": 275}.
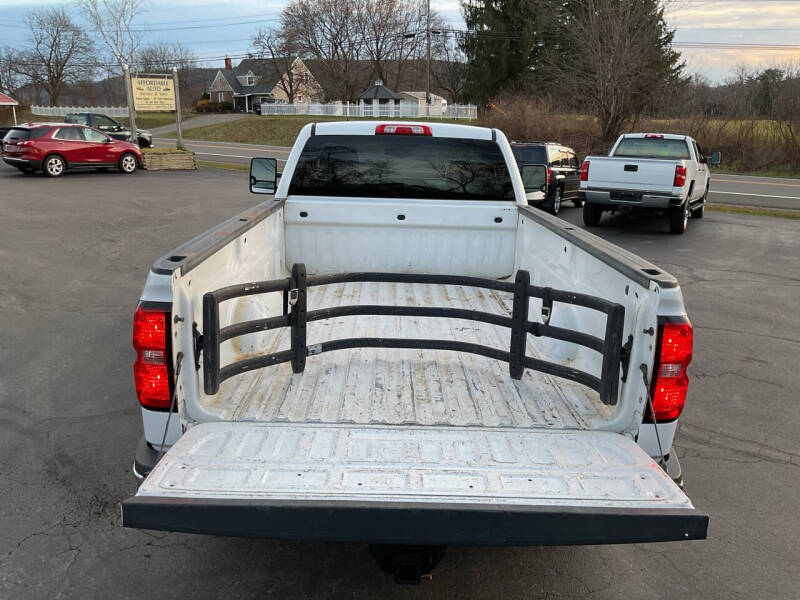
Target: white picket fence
{"x": 60, "y": 111}
{"x": 346, "y": 109}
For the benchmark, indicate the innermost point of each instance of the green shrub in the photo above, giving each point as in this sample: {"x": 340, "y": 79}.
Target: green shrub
{"x": 214, "y": 107}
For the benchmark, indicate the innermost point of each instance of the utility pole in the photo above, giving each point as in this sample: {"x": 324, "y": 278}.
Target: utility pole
{"x": 428, "y": 38}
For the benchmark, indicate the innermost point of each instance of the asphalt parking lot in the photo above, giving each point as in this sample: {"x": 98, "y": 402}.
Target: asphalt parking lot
{"x": 74, "y": 256}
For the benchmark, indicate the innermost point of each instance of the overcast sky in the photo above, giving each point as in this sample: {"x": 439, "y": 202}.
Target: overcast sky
{"x": 212, "y": 28}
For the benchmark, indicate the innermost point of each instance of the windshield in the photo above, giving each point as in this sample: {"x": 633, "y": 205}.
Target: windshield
{"x": 653, "y": 148}
{"x": 398, "y": 166}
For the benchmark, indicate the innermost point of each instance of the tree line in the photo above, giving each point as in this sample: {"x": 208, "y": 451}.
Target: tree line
{"x": 60, "y": 54}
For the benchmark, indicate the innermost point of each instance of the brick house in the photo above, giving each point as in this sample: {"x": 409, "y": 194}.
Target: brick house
{"x": 257, "y": 80}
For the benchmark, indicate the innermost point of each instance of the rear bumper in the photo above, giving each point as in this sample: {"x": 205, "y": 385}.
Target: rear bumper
{"x": 411, "y": 523}
{"x": 146, "y": 457}
{"x": 22, "y": 162}
{"x": 646, "y": 200}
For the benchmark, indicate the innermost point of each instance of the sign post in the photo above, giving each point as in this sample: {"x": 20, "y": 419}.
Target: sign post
{"x": 131, "y": 107}
{"x": 178, "y": 133}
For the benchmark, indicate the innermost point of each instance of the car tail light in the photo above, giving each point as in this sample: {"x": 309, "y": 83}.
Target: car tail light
{"x": 680, "y": 176}
{"x": 549, "y": 175}
{"x": 668, "y": 389}
{"x": 585, "y": 171}
{"x": 651, "y": 136}
{"x": 25, "y": 143}
{"x": 391, "y": 129}
{"x": 151, "y": 371}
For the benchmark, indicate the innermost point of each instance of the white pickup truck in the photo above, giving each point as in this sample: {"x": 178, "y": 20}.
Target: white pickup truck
{"x": 395, "y": 349}
{"x": 651, "y": 171}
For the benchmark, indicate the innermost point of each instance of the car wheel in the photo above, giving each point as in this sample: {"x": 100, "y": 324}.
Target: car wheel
{"x": 54, "y": 166}
{"x": 591, "y": 214}
{"x": 679, "y": 218}
{"x": 128, "y": 163}
{"x": 555, "y": 204}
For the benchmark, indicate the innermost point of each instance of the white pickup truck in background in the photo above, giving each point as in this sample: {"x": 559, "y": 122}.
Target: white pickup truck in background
{"x": 651, "y": 171}
{"x": 395, "y": 349}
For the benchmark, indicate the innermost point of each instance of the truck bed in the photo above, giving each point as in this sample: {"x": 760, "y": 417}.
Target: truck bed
{"x": 398, "y": 387}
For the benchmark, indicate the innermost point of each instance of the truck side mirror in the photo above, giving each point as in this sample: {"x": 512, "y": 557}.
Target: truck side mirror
{"x": 534, "y": 178}
{"x": 716, "y": 157}
{"x": 263, "y": 175}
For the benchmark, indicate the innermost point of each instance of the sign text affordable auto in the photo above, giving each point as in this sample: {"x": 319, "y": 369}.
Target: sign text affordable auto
{"x": 153, "y": 93}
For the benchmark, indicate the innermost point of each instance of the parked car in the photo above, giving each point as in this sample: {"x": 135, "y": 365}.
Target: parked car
{"x": 56, "y": 147}
{"x": 301, "y": 373}
{"x": 658, "y": 172}
{"x": 562, "y": 173}
{"x": 111, "y": 127}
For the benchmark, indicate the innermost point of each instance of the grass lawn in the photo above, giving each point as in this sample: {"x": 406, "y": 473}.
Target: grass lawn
{"x": 225, "y": 166}
{"x": 154, "y": 119}
{"x": 275, "y": 130}
{"x": 755, "y": 211}
{"x": 787, "y": 171}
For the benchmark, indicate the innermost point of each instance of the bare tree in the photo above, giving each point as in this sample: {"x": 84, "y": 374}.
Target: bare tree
{"x": 10, "y": 78}
{"x": 449, "y": 70}
{"x": 60, "y": 54}
{"x": 162, "y": 56}
{"x": 616, "y": 54}
{"x": 113, "y": 20}
{"x": 279, "y": 52}
{"x": 328, "y": 31}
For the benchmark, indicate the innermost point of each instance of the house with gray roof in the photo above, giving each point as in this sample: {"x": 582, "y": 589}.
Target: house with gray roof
{"x": 257, "y": 80}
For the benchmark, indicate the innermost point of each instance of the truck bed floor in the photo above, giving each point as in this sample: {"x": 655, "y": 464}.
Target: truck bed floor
{"x": 390, "y": 386}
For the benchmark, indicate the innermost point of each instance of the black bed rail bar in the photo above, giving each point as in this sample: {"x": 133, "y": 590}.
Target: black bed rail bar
{"x": 297, "y": 316}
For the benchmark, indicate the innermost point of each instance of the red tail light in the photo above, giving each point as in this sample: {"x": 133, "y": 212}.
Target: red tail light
{"x": 680, "y": 176}
{"x": 549, "y": 175}
{"x": 668, "y": 390}
{"x": 151, "y": 371}
{"x": 651, "y": 136}
{"x": 392, "y": 129}
{"x": 585, "y": 171}
{"x": 25, "y": 143}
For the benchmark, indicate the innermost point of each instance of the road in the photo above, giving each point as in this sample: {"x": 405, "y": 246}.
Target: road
{"x": 725, "y": 189}
{"x": 75, "y": 253}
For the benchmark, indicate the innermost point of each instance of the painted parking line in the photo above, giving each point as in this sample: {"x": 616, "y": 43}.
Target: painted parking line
{"x": 755, "y": 195}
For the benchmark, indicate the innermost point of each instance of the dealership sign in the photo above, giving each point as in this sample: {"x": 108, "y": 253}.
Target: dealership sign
{"x": 153, "y": 93}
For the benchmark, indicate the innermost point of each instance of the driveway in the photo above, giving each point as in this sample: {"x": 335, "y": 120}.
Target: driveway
{"x": 75, "y": 253}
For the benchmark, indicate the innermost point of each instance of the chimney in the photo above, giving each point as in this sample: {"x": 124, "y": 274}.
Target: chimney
{"x": 228, "y": 64}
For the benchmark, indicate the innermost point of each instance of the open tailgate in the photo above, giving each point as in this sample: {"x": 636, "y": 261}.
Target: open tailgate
{"x": 412, "y": 485}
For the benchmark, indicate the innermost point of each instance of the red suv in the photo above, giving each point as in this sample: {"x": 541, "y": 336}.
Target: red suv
{"x": 56, "y": 147}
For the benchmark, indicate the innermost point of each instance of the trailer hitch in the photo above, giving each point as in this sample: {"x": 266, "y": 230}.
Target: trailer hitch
{"x": 408, "y": 564}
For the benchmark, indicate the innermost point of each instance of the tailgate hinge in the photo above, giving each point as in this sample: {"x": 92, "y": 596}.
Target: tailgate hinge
{"x": 198, "y": 346}
{"x": 625, "y": 357}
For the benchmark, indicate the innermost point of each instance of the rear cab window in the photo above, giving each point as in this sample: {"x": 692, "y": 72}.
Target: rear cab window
{"x": 653, "y": 147}
{"x": 529, "y": 155}
{"x": 80, "y": 119}
{"x": 397, "y": 166}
